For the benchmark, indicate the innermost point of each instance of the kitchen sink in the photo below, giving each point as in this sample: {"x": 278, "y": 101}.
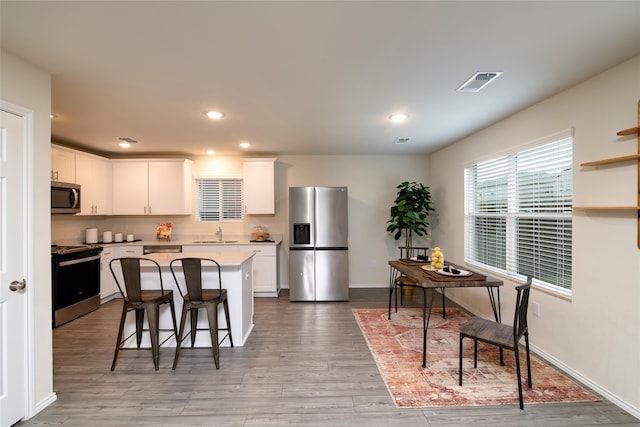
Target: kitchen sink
{"x": 215, "y": 241}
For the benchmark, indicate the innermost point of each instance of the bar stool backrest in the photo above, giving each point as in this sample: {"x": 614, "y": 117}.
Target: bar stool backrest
{"x": 131, "y": 275}
{"x": 192, "y": 271}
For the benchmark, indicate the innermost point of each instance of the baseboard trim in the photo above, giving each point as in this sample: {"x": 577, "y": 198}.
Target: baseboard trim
{"x": 43, "y": 404}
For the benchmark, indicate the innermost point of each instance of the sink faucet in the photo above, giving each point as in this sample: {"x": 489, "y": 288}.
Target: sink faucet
{"x": 219, "y": 234}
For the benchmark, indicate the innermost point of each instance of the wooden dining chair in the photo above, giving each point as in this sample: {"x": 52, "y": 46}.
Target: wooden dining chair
{"x": 502, "y": 336}
{"x": 195, "y": 297}
{"x": 141, "y": 301}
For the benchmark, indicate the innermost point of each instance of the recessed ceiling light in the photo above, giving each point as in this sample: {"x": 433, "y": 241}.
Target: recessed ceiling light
{"x": 125, "y": 141}
{"x": 398, "y": 117}
{"x": 52, "y": 116}
{"x": 210, "y": 152}
{"x": 245, "y": 145}
{"x": 215, "y": 115}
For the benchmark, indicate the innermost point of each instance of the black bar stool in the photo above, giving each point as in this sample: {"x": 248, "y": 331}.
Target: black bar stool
{"x": 142, "y": 301}
{"x": 195, "y": 298}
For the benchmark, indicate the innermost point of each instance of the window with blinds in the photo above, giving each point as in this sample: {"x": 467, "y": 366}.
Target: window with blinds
{"x": 518, "y": 213}
{"x": 219, "y": 199}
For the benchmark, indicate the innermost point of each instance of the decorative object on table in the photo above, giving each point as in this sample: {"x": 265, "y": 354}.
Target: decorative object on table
{"x": 164, "y": 230}
{"x": 396, "y": 346}
{"x": 437, "y": 258}
{"x": 410, "y": 212}
{"x": 260, "y": 233}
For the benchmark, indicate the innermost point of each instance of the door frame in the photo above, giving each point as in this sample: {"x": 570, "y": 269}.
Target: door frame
{"x": 29, "y": 251}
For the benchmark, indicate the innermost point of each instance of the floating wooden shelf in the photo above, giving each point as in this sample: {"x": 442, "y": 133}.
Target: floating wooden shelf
{"x": 611, "y": 160}
{"x": 630, "y": 131}
{"x": 636, "y": 157}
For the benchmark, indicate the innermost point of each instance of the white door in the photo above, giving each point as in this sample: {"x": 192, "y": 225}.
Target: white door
{"x": 13, "y": 270}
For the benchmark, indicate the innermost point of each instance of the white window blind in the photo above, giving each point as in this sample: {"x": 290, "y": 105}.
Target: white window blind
{"x": 518, "y": 213}
{"x": 219, "y": 199}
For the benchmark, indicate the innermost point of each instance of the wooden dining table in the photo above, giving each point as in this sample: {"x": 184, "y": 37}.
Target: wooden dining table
{"x": 431, "y": 280}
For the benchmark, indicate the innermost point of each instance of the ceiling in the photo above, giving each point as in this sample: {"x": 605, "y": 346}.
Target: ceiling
{"x": 305, "y": 77}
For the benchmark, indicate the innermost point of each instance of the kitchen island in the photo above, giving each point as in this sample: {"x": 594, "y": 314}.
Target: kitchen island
{"x": 237, "y": 279}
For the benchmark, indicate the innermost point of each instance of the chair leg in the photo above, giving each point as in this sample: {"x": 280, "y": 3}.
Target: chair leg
{"x": 183, "y": 320}
{"x": 518, "y": 373}
{"x": 212, "y": 315}
{"x": 120, "y": 331}
{"x": 225, "y": 305}
{"x": 460, "y": 362}
{"x": 153, "y": 316}
{"x": 173, "y": 317}
{"x": 475, "y": 353}
{"x": 194, "y": 324}
{"x": 444, "y": 311}
{"x": 526, "y": 341}
{"x": 139, "y": 326}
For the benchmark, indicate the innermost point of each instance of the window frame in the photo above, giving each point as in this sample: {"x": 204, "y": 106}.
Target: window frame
{"x": 239, "y": 202}
{"x": 512, "y": 214}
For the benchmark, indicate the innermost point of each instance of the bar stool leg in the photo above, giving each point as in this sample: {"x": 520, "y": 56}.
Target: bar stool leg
{"x": 194, "y": 324}
{"x": 183, "y": 320}
{"x": 225, "y": 304}
{"x": 153, "y": 316}
{"x": 120, "y": 331}
{"x": 212, "y": 314}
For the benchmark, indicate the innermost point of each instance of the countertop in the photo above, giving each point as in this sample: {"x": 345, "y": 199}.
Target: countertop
{"x": 191, "y": 241}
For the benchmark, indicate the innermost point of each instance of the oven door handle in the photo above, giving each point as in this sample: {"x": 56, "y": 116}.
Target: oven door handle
{"x": 78, "y": 261}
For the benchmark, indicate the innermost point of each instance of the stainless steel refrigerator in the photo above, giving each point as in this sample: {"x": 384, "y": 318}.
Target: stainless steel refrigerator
{"x": 318, "y": 244}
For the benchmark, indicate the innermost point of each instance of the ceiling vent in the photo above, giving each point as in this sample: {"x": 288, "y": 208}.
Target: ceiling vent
{"x": 401, "y": 140}
{"x": 478, "y": 81}
{"x": 127, "y": 139}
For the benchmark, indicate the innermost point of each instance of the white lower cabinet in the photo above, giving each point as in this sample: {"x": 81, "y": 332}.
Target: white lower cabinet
{"x": 265, "y": 270}
{"x": 108, "y": 287}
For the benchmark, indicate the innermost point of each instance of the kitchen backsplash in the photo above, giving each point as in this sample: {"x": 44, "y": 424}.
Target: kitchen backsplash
{"x": 71, "y": 228}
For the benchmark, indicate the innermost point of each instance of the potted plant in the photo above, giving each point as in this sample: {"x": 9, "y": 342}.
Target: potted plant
{"x": 410, "y": 212}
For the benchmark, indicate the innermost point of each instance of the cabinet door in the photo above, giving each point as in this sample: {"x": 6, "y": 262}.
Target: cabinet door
{"x": 63, "y": 165}
{"x": 169, "y": 188}
{"x": 94, "y": 175}
{"x": 259, "y": 186}
{"x": 130, "y": 188}
{"x": 108, "y": 287}
{"x": 265, "y": 273}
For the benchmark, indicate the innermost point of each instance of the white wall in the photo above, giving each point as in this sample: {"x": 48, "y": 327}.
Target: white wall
{"x": 29, "y": 87}
{"x": 372, "y": 182}
{"x": 594, "y": 334}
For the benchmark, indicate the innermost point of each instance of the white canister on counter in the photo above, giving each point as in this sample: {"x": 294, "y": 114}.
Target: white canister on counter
{"x": 118, "y": 237}
{"x": 107, "y": 237}
{"x": 91, "y": 235}
{"x": 130, "y": 238}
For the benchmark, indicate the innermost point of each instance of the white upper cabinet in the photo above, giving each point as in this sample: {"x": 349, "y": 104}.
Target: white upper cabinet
{"x": 151, "y": 187}
{"x": 63, "y": 164}
{"x": 259, "y": 186}
{"x": 93, "y": 173}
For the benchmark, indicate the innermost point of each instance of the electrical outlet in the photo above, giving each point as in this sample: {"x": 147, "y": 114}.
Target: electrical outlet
{"x": 535, "y": 307}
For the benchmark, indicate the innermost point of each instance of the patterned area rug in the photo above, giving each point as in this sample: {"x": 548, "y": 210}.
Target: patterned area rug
{"x": 396, "y": 346}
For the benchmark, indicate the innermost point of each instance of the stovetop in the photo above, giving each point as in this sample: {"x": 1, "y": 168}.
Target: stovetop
{"x": 63, "y": 249}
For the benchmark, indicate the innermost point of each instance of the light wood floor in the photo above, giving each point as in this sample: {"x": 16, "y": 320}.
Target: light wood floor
{"x": 304, "y": 364}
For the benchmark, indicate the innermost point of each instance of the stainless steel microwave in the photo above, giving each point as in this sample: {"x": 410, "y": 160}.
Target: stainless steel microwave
{"x": 65, "y": 198}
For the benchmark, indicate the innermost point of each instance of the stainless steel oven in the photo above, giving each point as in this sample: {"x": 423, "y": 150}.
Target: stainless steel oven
{"x": 75, "y": 275}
